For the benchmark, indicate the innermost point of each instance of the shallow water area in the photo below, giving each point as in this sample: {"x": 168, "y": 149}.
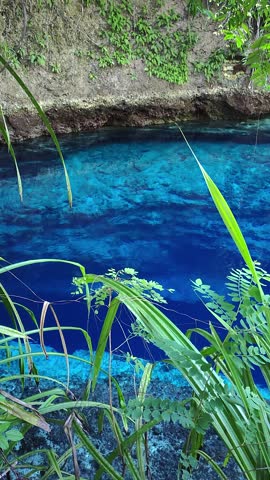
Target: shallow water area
{"x": 139, "y": 201}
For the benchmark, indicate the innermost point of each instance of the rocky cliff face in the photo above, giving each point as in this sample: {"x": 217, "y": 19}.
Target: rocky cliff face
{"x": 58, "y": 57}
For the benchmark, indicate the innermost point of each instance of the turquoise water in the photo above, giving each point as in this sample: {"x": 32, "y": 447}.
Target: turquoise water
{"x": 139, "y": 201}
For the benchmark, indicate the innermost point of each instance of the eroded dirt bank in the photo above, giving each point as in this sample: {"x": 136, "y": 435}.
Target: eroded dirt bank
{"x": 78, "y": 95}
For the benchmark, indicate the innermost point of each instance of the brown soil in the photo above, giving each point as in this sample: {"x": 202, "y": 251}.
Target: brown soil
{"x": 117, "y": 95}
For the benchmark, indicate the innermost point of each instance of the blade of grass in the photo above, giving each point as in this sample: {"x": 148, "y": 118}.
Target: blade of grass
{"x": 13, "y": 266}
{"x": 63, "y": 342}
{"x": 54, "y": 463}
{"x": 11, "y": 333}
{"x": 14, "y": 314}
{"x": 5, "y": 134}
{"x": 227, "y": 217}
{"x": 22, "y": 414}
{"x": 213, "y": 464}
{"x": 95, "y": 453}
{"x": 45, "y": 120}
{"x": 127, "y": 443}
{"x": 140, "y": 446}
{"x": 103, "y": 338}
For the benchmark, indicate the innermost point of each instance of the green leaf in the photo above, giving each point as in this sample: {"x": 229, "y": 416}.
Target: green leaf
{"x": 14, "y": 409}
{"x": 228, "y": 219}
{"x": 254, "y": 292}
{"x": 213, "y": 464}
{"x": 3, "y": 442}
{"x": 54, "y": 463}
{"x": 45, "y": 120}
{"x": 100, "y": 421}
{"x": 103, "y": 338}
{"x": 211, "y": 305}
{"x": 130, "y": 271}
{"x": 11, "y": 332}
{"x": 4, "y": 425}
{"x": 14, "y": 435}
{"x": 5, "y": 134}
{"x": 166, "y": 416}
{"x": 96, "y": 454}
{"x": 137, "y": 413}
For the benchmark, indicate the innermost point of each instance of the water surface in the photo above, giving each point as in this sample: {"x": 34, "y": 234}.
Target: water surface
{"x": 139, "y": 201}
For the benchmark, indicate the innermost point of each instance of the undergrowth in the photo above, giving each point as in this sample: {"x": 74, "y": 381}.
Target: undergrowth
{"x": 152, "y": 36}
{"x": 126, "y": 32}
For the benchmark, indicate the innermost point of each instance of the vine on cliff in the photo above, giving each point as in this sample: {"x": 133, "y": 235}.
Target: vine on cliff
{"x": 153, "y": 36}
{"x": 125, "y": 30}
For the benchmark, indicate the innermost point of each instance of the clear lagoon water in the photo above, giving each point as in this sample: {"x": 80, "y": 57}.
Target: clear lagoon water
{"x": 139, "y": 201}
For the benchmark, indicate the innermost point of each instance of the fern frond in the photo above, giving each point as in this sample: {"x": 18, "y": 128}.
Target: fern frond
{"x": 215, "y": 302}
{"x": 240, "y": 281}
{"x": 167, "y": 410}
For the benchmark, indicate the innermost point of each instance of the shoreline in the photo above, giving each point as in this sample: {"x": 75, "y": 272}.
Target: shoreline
{"x": 82, "y": 115}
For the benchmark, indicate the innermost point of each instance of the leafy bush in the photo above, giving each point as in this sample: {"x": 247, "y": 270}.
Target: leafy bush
{"x": 247, "y": 25}
{"x": 213, "y": 65}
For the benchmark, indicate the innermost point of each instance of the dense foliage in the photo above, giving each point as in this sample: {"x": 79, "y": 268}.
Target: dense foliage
{"x": 150, "y": 34}
{"x": 245, "y": 23}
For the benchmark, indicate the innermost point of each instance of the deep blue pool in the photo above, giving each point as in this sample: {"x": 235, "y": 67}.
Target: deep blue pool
{"x": 139, "y": 201}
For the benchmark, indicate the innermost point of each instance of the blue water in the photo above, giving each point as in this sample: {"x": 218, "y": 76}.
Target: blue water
{"x": 139, "y": 201}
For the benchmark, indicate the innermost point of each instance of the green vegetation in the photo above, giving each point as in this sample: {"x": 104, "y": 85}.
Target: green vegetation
{"x": 154, "y": 38}
{"x": 221, "y": 375}
{"x": 164, "y": 48}
{"x": 236, "y": 409}
{"x": 152, "y": 32}
{"x": 213, "y": 66}
{"x": 247, "y": 25}
{"x": 55, "y": 68}
{"x": 10, "y": 55}
{"x": 37, "y": 58}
